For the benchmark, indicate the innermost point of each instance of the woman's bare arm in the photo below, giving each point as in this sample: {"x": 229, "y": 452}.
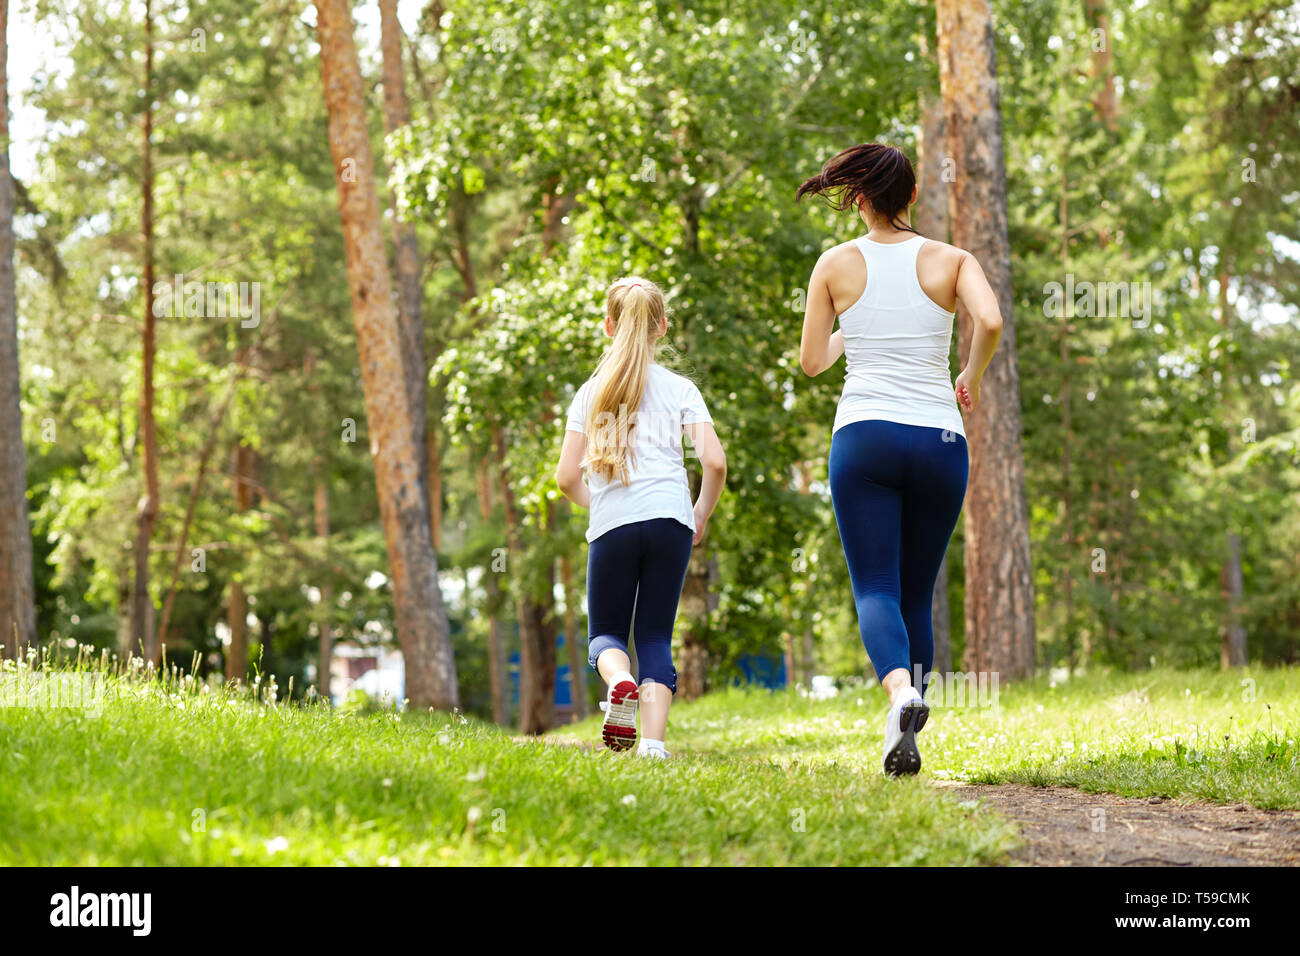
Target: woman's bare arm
{"x": 819, "y": 347}
{"x": 975, "y": 293}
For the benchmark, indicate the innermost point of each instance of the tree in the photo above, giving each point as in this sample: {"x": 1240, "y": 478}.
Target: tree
{"x": 406, "y": 254}
{"x": 492, "y": 610}
{"x": 242, "y": 465}
{"x": 930, "y": 215}
{"x": 142, "y": 609}
{"x": 422, "y": 628}
{"x": 999, "y": 575}
{"x": 17, "y": 607}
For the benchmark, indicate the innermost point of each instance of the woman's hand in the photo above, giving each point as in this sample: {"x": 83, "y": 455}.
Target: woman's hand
{"x": 968, "y": 390}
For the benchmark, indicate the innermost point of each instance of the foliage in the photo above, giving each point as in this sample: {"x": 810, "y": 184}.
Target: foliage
{"x": 559, "y": 145}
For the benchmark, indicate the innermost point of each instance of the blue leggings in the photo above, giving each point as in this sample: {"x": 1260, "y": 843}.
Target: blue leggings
{"x": 642, "y": 564}
{"x": 897, "y": 491}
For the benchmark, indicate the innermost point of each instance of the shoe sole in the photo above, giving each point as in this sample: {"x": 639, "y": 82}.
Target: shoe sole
{"x": 619, "y": 729}
{"x": 904, "y": 759}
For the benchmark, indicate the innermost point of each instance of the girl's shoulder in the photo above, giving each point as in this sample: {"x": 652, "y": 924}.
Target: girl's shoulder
{"x": 581, "y": 395}
{"x": 668, "y": 378}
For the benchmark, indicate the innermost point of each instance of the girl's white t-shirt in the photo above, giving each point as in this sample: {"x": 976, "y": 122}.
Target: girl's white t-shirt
{"x": 657, "y": 486}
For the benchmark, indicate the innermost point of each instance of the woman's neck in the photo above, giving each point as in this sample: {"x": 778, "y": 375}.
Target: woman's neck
{"x": 881, "y": 229}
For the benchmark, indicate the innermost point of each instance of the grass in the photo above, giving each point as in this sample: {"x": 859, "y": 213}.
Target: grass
{"x": 1197, "y": 735}
{"x": 171, "y": 774}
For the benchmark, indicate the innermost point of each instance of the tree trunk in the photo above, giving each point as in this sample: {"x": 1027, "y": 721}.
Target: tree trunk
{"x": 930, "y": 215}
{"x": 1233, "y": 647}
{"x": 1103, "y": 74}
{"x": 1067, "y": 307}
{"x": 237, "y": 605}
{"x": 266, "y": 663}
{"x": 325, "y": 651}
{"x": 17, "y": 592}
{"x": 693, "y": 674}
{"x": 577, "y": 662}
{"x": 435, "y": 487}
{"x": 1233, "y": 653}
{"x": 124, "y": 646}
{"x": 999, "y": 576}
{"x": 537, "y": 664}
{"x": 422, "y": 627}
{"x": 942, "y": 617}
{"x": 496, "y": 653}
{"x": 536, "y": 623}
{"x": 143, "y": 637}
{"x": 809, "y": 657}
{"x": 406, "y": 251}
{"x": 321, "y": 524}
{"x": 555, "y": 207}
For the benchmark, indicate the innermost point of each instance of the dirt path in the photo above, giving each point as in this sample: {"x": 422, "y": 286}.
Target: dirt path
{"x": 1066, "y": 827}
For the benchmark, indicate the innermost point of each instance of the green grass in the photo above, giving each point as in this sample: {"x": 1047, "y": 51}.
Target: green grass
{"x": 1197, "y": 735}
{"x": 175, "y": 777}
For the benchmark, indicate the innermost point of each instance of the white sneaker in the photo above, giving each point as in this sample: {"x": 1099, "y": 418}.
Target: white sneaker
{"x": 905, "y": 718}
{"x": 619, "y": 728}
{"x": 655, "y": 753}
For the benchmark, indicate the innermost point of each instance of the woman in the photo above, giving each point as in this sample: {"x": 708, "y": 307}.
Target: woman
{"x": 625, "y": 429}
{"x": 898, "y": 460}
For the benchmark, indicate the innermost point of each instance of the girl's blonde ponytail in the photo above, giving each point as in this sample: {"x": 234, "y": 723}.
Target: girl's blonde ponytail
{"x": 635, "y": 308}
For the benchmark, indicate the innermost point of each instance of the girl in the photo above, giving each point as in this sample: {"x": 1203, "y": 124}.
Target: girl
{"x": 898, "y": 450}
{"x": 625, "y": 428}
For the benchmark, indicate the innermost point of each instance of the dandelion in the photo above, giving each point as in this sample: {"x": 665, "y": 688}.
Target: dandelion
{"x": 277, "y": 845}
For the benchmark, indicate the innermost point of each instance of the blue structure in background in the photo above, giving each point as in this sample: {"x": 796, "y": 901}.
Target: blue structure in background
{"x": 763, "y": 670}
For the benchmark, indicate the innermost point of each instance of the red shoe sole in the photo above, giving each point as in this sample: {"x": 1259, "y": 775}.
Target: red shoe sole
{"x": 616, "y": 735}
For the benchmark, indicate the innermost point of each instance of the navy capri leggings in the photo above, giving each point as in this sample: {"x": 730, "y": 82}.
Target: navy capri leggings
{"x": 640, "y": 565}
{"x": 897, "y": 491}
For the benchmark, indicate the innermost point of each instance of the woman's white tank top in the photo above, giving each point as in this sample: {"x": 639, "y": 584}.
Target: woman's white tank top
{"x": 896, "y": 342}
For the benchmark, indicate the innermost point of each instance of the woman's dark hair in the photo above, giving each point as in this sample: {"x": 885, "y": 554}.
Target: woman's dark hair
{"x": 880, "y": 174}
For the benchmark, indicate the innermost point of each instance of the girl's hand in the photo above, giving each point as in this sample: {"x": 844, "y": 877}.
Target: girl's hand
{"x": 701, "y": 525}
{"x": 967, "y": 389}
